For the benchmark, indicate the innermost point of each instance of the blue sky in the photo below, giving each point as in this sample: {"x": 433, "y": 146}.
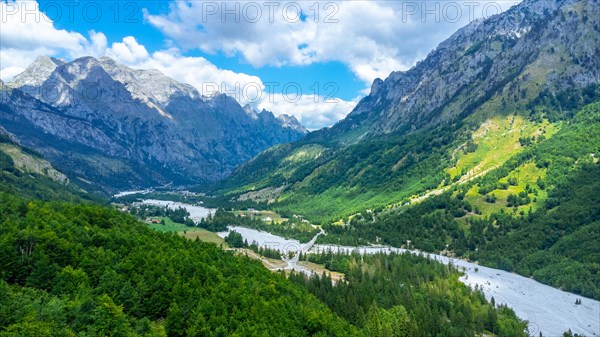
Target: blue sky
{"x": 125, "y": 18}
{"x": 312, "y": 59}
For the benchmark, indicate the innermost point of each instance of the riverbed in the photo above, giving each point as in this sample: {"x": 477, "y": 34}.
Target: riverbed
{"x": 196, "y": 212}
{"x": 548, "y": 310}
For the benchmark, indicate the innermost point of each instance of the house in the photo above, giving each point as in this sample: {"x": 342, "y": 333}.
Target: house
{"x": 154, "y": 220}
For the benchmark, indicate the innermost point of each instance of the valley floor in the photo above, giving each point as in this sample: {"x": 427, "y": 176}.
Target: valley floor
{"x": 548, "y": 310}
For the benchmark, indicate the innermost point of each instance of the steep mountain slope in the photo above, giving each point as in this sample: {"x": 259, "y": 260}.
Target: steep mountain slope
{"x": 466, "y": 109}
{"x": 25, "y": 173}
{"x": 118, "y": 127}
{"x": 538, "y": 214}
{"x": 534, "y": 47}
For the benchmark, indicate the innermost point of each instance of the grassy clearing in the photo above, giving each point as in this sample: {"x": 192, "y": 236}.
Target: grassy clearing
{"x": 497, "y": 140}
{"x": 526, "y": 174}
{"x": 28, "y": 162}
{"x": 204, "y": 236}
{"x": 169, "y": 225}
{"x": 188, "y": 232}
{"x": 319, "y": 269}
{"x": 266, "y": 216}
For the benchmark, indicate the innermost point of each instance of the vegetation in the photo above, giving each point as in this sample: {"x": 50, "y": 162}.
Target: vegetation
{"x": 366, "y": 174}
{"x": 83, "y": 269}
{"x": 234, "y": 239}
{"x": 265, "y": 251}
{"x": 290, "y": 228}
{"x": 407, "y": 295}
{"x": 88, "y": 270}
{"x": 73, "y": 269}
{"x": 178, "y": 215}
{"x": 19, "y": 182}
{"x": 555, "y": 241}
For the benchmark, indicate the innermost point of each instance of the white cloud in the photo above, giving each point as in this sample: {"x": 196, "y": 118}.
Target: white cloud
{"x": 372, "y": 38}
{"x": 27, "y": 33}
{"x": 314, "y": 112}
{"x": 129, "y": 51}
{"x": 24, "y": 26}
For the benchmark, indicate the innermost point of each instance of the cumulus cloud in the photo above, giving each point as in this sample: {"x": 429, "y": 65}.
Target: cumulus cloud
{"x": 129, "y": 51}
{"x": 314, "y": 112}
{"x": 27, "y": 32}
{"x": 373, "y": 38}
{"x": 24, "y": 36}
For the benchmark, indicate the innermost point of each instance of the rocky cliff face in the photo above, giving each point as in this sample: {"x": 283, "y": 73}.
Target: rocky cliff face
{"x": 120, "y": 127}
{"x": 534, "y": 47}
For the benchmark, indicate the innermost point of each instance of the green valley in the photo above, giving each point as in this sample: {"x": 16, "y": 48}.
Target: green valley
{"x": 455, "y": 196}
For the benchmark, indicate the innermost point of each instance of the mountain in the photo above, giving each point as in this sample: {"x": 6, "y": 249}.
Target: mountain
{"x": 535, "y": 47}
{"x": 114, "y": 127}
{"x": 25, "y": 173}
{"x": 487, "y": 149}
{"x": 518, "y": 73}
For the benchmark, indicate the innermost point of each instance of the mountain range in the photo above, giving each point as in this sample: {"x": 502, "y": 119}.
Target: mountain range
{"x": 488, "y": 151}
{"x": 111, "y": 127}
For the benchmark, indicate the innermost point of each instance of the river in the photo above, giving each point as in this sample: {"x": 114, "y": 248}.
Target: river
{"x": 196, "y": 212}
{"x": 548, "y": 310}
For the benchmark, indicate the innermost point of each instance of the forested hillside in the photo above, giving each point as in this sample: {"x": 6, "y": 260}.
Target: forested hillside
{"x": 538, "y": 214}
{"x": 72, "y": 267}
{"x": 72, "y": 270}
{"x": 32, "y": 176}
{"x": 407, "y": 295}
{"x": 86, "y": 269}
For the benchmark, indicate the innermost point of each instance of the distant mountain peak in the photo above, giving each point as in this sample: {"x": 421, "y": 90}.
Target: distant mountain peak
{"x": 37, "y": 72}
{"x": 290, "y": 121}
{"x": 250, "y": 111}
{"x": 148, "y": 84}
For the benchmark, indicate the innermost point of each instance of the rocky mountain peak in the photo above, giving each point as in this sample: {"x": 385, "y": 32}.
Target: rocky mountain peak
{"x": 266, "y": 115}
{"x": 376, "y": 84}
{"x": 290, "y": 121}
{"x": 37, "y": 72}
{"x": 250, "y": 111}
{"x": 150, "y": 84}
{"x": 527, "y": 43}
